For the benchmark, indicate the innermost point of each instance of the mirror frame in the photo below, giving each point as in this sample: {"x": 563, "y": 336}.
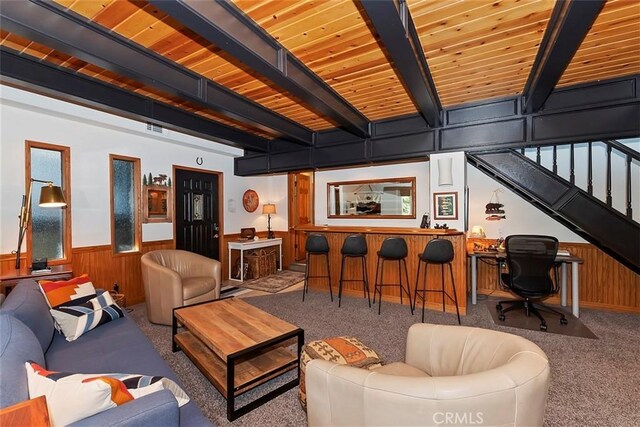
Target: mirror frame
{"x": 146, "y": 217}
{"x": 411, "y": 180}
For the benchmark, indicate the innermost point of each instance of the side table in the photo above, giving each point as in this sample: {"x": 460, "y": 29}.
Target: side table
{"x": 11, "y": 278}
{"x": 28, "y": 413}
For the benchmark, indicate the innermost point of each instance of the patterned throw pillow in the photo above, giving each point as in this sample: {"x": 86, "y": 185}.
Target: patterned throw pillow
{"x": 75, "y": 320}
{"x": 78, "y": 289}
{"x": 72, "y": 397}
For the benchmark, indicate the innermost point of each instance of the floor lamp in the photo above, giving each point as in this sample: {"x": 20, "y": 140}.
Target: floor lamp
{"x": 51, "y": 196}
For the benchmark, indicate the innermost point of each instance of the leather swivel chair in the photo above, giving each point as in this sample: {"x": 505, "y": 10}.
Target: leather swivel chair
{"x": 530, "y": 258}
{"x": 481, "y": 376}
{"x": 175, "y": 278}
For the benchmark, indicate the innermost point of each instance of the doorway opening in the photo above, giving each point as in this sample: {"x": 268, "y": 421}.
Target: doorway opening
{"x": 301, "y": 202}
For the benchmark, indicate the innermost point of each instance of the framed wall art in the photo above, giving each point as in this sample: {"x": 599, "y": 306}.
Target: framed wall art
{"x": 445, "y": 205}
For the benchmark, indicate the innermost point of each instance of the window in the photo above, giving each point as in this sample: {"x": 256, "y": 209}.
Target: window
{"x": 49, "y": 232}
{"x": 125, "y": 198}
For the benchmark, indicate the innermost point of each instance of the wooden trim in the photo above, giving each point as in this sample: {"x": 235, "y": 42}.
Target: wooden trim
{"x": 411, "y": 179}
{"x": 221, "y": 246}
{"x": 66, "y": 189}
{"x": 136, "y": 199}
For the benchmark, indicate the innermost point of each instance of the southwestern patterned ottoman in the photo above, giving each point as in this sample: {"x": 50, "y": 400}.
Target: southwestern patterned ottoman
{"x": 342, "y": 350}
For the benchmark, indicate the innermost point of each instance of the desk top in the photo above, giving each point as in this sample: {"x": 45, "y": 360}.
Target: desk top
{"x": 253, "y": 244}
{"x": 493, "y": 254}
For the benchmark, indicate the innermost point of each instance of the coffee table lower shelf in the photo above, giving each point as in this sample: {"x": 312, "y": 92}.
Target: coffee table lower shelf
{"x": 248, "y": 368}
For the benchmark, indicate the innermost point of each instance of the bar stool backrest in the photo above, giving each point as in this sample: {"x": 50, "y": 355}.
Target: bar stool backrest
{"x": 393, "y": 248}
{"x": 439, "y": 251}
{"x": 317, "y": 244}
{"x": 354, "y": 245}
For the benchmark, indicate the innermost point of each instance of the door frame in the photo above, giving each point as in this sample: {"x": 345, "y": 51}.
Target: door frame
{"x": 220, "y": 203}
{"x": 291, "y": 207}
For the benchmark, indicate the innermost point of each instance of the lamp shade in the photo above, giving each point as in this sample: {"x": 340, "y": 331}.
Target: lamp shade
{"x": 445, "y": 177}
{"x": 477, "y": 231}
{"x": 51, "y": 196}
{"x": 268, "y": 208}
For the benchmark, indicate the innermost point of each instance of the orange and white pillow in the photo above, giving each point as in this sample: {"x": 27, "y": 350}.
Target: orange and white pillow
{"x": 72, "y": 397}
{"x": 78, "y": 289}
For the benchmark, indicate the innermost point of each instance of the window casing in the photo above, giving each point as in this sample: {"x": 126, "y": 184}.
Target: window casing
{"x": 49, "y": 230}
{"x": 126, "y": 227}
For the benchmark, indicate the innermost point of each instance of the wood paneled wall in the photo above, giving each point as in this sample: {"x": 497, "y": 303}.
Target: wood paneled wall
{"x": 604, "y": 282}
{"x": 416, "y": 244}
{"x": 224, "y": 256}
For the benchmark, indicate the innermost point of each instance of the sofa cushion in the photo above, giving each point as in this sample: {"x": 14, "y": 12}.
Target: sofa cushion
{"x": 27, "y": 304}
{"x": 72, "y": 397}
{"x": 196, "y": 286}
{"x": 400, "y": 369}
{"x": 17, "y": 345}
{"x": 76, "y": 320}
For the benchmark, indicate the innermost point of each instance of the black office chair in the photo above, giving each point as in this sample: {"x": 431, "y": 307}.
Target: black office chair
{"x": 392, "y": 249}
{"x": 438, "y": 252}
{"x": 530, "y": 259}
{"x": 316, "y": 245}
{"x": 355, "y": 246}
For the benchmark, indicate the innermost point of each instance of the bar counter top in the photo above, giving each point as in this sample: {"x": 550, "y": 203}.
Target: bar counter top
{"x": 380, "y": 230}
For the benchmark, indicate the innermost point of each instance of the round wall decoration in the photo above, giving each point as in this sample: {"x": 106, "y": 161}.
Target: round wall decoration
{"x": 250, "y": 200}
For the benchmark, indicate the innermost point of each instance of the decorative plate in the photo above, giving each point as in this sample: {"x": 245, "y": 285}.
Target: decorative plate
{"x": 250, "y": 200}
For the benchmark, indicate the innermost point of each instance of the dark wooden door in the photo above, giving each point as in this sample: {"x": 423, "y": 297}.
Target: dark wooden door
{"x": 300, "y": 210}
{"x": 197, "y": 211}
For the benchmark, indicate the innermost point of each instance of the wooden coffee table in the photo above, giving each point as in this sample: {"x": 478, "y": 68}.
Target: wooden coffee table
{"x": 237, "y": 347}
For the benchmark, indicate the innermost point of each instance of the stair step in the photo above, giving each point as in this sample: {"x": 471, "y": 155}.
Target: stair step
{"x": 298, "y": 266}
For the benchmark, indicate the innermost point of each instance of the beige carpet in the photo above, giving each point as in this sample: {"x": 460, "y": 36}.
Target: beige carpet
{"x": 273, "y": 283}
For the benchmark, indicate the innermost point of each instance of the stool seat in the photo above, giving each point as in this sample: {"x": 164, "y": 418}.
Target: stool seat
{"x": 355, "y": 246}
{"x": 316, "y": 244}
{"x": 393, "y": 249}
{"x": 438, "y": 252}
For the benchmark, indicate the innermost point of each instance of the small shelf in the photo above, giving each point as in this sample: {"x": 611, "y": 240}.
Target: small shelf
{"x": 249, "y": 372}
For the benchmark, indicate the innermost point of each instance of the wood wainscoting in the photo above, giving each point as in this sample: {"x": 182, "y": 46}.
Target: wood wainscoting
{"x": 286, "y": 252}
{"x": 604, "y": 282}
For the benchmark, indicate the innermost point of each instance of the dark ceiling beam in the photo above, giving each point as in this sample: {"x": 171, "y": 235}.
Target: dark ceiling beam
{"x": 30, "y": 74}
{"x": 49, "y": 24}
{"x": 228, "y": 28}
{"x": 569, "y": 24}
{"x": 395, "y": 27}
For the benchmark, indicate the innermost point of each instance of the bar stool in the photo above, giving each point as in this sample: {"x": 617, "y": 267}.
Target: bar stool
{"x": 316, "y": 245}
{"x": 437, "y": 251}
{"x": 355, "y": 246}
{"x": 392, "y": 249}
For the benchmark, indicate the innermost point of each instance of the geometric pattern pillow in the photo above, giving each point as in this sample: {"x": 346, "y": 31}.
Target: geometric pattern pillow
{"x": 75, "y": 320}
{"x": 65, "y": 291}
{"x": 72, "y": 397}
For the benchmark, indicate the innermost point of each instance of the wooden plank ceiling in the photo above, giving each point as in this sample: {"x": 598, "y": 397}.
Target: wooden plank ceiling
{"x": 475, "y": 50}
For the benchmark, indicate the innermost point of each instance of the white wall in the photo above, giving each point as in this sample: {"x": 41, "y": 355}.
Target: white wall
{"x": 458, "y": 185}
{"x": 92, "y": 135}
{"x": 419, "y": 170}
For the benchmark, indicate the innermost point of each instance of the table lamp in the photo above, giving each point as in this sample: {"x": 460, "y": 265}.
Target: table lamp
{"x": 51, "y": 196}
{"x": 477, "y": 231}
{"x": 268, "y": 209}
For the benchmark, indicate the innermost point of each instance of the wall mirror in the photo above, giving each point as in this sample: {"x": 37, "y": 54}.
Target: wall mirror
{"x": 157, "y": 204}
{"x": 374, "y": 198}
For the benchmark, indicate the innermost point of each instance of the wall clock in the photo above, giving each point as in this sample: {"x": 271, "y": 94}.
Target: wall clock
{"x": 250, "y": 200}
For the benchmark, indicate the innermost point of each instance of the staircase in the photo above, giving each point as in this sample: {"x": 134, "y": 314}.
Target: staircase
{"x": 598, "y": 222}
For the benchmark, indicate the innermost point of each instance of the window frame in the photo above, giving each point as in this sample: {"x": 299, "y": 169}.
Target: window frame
{"x": 66, "y": 190}
{"x": 137, "y": 178}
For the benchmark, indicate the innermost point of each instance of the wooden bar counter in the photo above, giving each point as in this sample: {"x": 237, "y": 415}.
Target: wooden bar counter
{"x": 416, "y": 239}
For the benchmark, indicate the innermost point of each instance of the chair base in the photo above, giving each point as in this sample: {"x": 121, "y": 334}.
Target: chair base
{"x": 378, "y": 286}
{"x": 422, "y": 293}
{"x": 529, "y": 307}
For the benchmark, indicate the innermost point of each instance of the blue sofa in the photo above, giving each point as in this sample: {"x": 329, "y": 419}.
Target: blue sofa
{"x": 27, "y": 333}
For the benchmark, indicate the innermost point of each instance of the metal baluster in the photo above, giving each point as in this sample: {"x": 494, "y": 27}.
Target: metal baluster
{"x": 572, "y": 175}
{"x": 629, "y": 210}
{"x": 555, "y": 159}
{"x": 538, "y": 155}
{"x": 608, "y": 175}
{"x": 522, "y": 151}
{"x": 590, "y": 170}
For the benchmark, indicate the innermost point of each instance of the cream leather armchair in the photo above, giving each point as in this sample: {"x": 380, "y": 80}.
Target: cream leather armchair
{"x": 452, "y": 375}
{"x": 173, "y": 278}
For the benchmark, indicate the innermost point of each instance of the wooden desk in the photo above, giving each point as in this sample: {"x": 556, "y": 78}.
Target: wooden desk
{"x": 11, "y": 278}
{"x": 575, "y": 278}
{"x": 245, "y": 245}
{"x": 33, "y": 413}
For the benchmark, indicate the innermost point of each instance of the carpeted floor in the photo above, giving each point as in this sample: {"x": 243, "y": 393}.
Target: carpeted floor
{"x": 594, "y": 382}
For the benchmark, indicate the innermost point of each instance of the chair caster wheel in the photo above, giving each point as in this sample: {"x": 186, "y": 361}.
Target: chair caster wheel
{"x": 543, "y": 327}
{"x": 564, "y": 321}
{"x": 501, "y": 317}
{"x": 499, "y": 307}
